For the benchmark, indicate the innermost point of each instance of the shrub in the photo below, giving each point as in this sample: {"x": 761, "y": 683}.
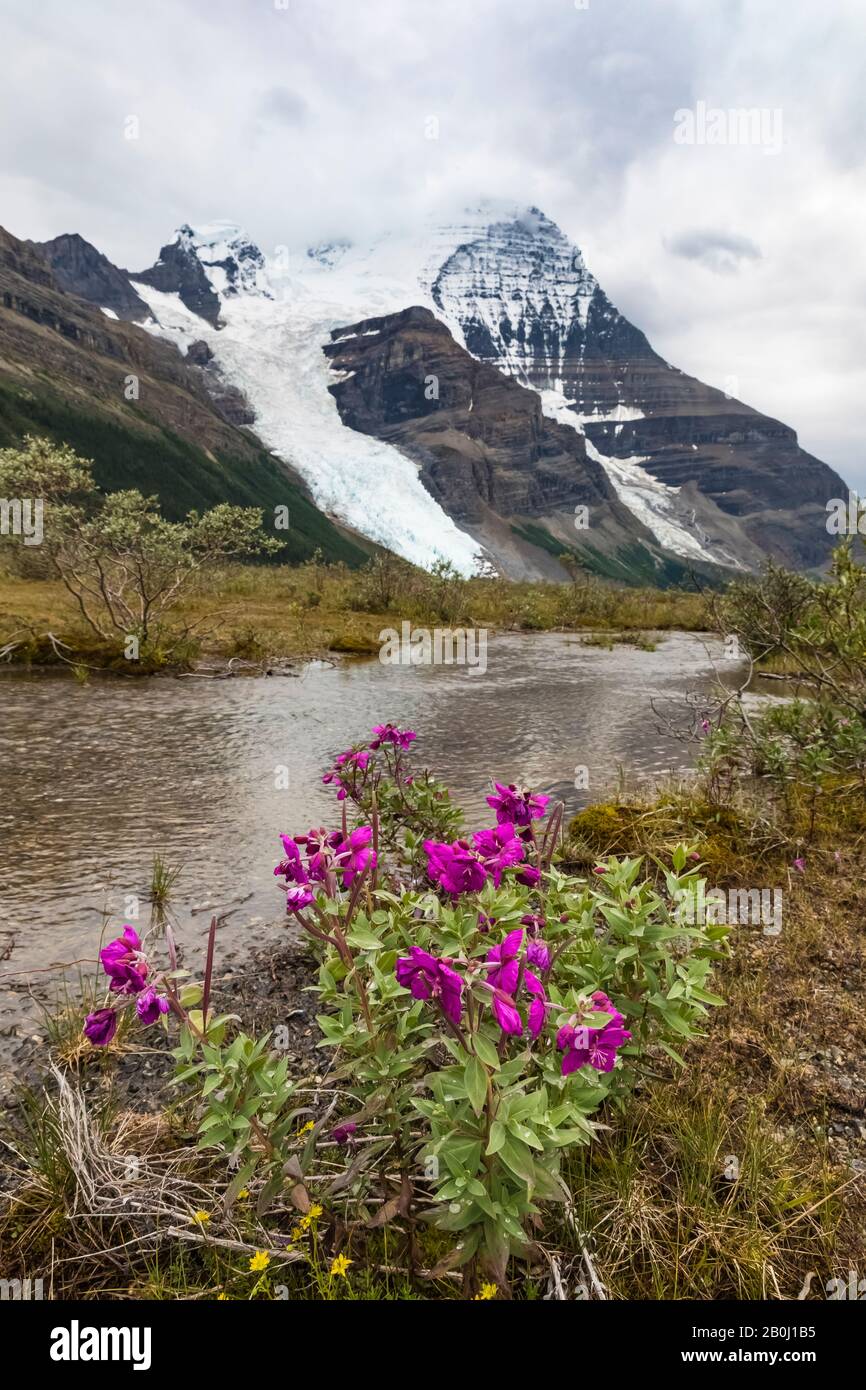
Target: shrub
{"x": 810, "y": 750}
{"x": 481, "y": 1004}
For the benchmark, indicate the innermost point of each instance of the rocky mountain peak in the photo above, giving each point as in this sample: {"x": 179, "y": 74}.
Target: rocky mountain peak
{"x": 519, "y": 293}
{"x": 206, "y": 265}
{"x": 82, "y": 270}
{"x": 229, "y": 257}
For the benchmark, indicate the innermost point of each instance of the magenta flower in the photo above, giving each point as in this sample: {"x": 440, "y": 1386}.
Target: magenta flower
{"x": 359, "y": 759}
{"x": 298, "y": 895}
{"x": 456, "y": 867}
{"x": 291, "y": 867}
{"x": 389, "y": 733}
{"x": 320, "y": 845}
{"x": 349, "y": 764}
{"x": 498, "y": 849}
{"x": 506, "y": 979}
{"x": 529, "y": 877}
{"x": 595, "y": 1046}
{"x": 328, "y": 853}
{"x": 538, "y": 954}
{"x": 519, "y": 807}
{"x": 124, "y": 963}
{"x": 462, "y": 867}
{"x": 534, "y": 924}
{"x": 353, "y": 854}
{"x": 427, "y": 977}
{"x": 344, "y": 1133}
{"x": 149, "y": 1005}
{"x": 100, "y": 1027}
{"x": 800, "y": 865}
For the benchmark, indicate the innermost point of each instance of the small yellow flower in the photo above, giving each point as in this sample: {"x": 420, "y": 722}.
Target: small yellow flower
{"x": 315, "y": 1211}
{"x": 311, "y": 1124}
{"x": 340, "y": 1265}
{"x": 222, "y": 1297}
{"x": 304, "y": 1223}
{"x": 297, "y": 1233}
{"x": 244, "y": 1192}
{"x": 487, "y": 1291}
{"x": 260, "y": 1260}
{"x": 202, "y": 1217}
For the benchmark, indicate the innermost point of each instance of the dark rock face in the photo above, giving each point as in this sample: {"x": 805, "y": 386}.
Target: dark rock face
{"x": 229, "y": 400}
{"x": 91, "y": 354}
{"x": 222, "y": 252}
{"x": 487, "y": 452}
{"x": 80, "y": 269}
{"x": 199, "y": 353}
{"x": 179, "y": 271}
{"x": 522, "y": 298}
{"x": 485, "y": 440}
{"x": 749, "y": 465}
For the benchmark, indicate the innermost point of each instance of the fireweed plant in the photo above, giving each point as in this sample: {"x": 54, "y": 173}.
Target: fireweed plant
{"x": 481, "y": 1001}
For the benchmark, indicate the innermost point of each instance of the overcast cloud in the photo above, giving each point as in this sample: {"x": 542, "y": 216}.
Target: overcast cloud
{"x": 309, "y": 119}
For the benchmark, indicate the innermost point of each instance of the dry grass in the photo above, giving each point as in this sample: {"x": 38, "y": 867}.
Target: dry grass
{"x": 254, "y": 612}
{"x": 779, "y": 1083}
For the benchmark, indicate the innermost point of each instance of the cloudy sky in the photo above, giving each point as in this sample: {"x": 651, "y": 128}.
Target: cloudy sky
{"x": 743, "y": 259}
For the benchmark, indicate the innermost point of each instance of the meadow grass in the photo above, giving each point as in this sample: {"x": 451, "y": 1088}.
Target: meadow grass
{"x": 257, "y": 612}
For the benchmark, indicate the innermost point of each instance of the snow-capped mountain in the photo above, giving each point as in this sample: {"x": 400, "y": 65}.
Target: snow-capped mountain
{"x": 267, "y": 340}
{"x": 672, "y": 467}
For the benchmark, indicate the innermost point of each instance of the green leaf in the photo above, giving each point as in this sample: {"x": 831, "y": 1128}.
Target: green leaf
{"x": 238, "y": 1183}
{"x": 364, "y": 939}
{"x": 525, "y": 1134}
{"x": 498, "y": 1137}
{"x": 475, "y": 1081}
{"x": 486, "y": 1050}
{"x": 516, "y": 1156}
{"x": 210, "y": 1120}
{"x": 705, "y": 996}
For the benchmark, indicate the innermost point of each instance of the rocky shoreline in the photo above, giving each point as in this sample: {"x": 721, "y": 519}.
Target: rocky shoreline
{"x": 268, "y": 987}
